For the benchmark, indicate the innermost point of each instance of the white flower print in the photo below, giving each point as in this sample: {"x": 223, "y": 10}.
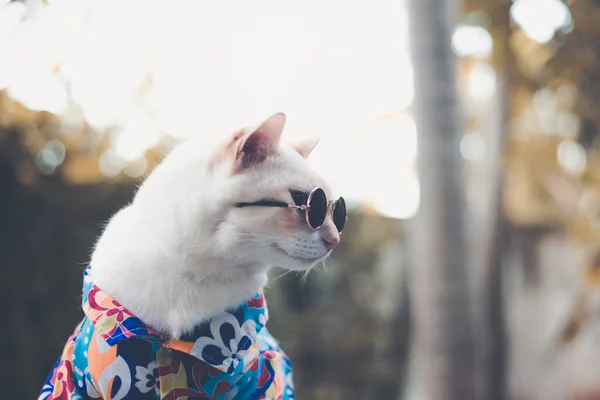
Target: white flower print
{"x": 117, "y": 369}
{"x": 147, "y": 378}
{"x": 228, "y": 344}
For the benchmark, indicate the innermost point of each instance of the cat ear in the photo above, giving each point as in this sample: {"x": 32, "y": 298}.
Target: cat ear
{"x": 262, "y": 142}
{"x": 306, "y": 146}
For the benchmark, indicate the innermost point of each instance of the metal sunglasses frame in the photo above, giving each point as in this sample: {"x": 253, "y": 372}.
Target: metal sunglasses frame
{"x": 330, "y": 205}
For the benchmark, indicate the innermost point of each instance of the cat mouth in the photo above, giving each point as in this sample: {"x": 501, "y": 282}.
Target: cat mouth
{"x": 298, "y": 258}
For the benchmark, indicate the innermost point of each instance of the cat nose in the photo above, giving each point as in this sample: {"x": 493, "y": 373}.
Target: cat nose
{"x": 331, "y": 239}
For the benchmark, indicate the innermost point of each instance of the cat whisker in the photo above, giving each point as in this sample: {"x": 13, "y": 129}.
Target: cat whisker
{"x": 322, "y": 263}
{"x": 303, "y": 279}
{"x": 283, "y": 274}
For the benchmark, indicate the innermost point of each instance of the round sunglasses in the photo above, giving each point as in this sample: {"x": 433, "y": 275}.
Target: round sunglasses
{"x": 316, "y": 209}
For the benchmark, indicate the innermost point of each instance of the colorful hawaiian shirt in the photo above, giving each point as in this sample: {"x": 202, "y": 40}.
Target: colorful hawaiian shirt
{"x": 113, "y": 355}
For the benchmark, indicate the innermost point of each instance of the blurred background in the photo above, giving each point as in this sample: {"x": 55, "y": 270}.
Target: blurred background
{"x": 470, "y": 265}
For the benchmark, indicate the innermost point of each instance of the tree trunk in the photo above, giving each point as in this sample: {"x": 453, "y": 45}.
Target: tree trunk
{"x": 443, "y": 318}
{"x": 493, "y": 328}
{"x": 497, "y": 229}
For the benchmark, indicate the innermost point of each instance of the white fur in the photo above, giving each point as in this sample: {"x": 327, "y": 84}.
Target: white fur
{"x": 181, "y": 252}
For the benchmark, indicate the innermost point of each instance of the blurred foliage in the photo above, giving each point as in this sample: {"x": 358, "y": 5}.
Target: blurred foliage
{"x": 551, "y": 162}
{"x": 77, "y": 158}
{"x": 552, "y": 158}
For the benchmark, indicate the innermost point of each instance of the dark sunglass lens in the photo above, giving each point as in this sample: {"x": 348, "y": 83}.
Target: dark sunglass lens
{"x": 318, "y": 209}
{"x": 339, "y": 214}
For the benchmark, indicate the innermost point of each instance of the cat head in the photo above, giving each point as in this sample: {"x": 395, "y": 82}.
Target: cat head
{"x": 185, "y": 227}
{"x": 254, "y": 166}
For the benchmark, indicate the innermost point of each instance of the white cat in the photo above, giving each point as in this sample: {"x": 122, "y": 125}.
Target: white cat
{"x": 183, "y": 250}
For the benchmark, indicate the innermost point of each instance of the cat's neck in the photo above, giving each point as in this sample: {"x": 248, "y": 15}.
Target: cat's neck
{"x": 170, "y": 286}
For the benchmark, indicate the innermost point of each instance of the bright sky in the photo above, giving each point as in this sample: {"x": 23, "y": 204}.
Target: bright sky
{"x": 337, "y": 68}
{"x": 333, "y": 67}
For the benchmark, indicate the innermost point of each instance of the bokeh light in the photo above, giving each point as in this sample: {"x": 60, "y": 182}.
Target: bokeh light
{"x": 482, "y": 81}
{"x": 571, "y": 156}
{"x": 540, "y": 19}
{"x": 469, "y": 40}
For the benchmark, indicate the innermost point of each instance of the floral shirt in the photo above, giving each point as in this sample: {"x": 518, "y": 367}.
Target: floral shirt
{"x": 113, "y": 355}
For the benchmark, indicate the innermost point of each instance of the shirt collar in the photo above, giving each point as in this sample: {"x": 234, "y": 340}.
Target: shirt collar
{"x": 223, "y": 341}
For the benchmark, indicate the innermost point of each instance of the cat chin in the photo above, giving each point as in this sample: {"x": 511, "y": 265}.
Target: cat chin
{"x": 283, "y": 259}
